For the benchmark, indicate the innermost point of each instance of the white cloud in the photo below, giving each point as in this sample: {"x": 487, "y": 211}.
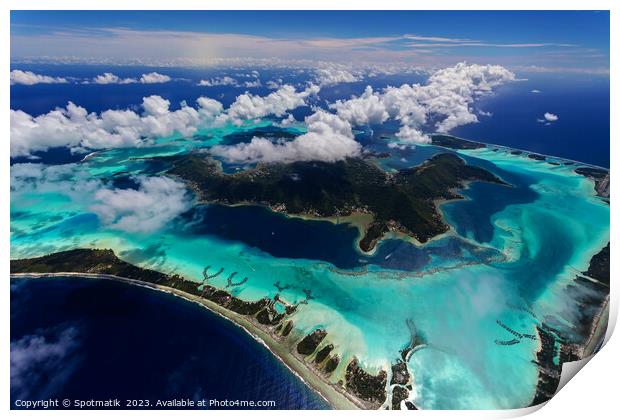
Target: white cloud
{"x": 19, "y": 77}
{"x": 219, "y": 81}
{"x": 70, "y": 180}
{"x": 551, "y": 117}
{"x": 248, "y": 106}
{"x": 154, "y": 77}
{"x": 155, "y": 105}
{"x": 394, "y": 145}
{"x": 252, "y": 83}
{"x": 288, "y": 121}
{"x": 444, "y": 100}
{"x": 157, "y": 202}
{"x": 329, "y": 138}
{"x": 230, "y": 81}
{"x": 334, "y": 74}
{"x": 110, "y": 78}
{"x": 535, "y": 91}
{"x": 412, "y": 135}
{"x": 367, "y": 109}
{"x": 75, "y": 127}
{"x": 30, "y": 78}
{"x": 210, "y": 106}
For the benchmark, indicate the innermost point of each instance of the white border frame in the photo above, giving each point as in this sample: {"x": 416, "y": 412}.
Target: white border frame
{"x": 592, "y": 394}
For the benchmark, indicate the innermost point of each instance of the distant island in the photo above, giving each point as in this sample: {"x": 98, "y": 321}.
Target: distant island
{"x": 403, "y": 202}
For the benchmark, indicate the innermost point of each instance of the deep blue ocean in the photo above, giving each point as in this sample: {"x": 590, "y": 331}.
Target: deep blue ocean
{"x": 100, "y": 339}
{"x": 582, "y": 104}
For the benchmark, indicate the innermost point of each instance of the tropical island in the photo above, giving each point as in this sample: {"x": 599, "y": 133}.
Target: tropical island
{"x": 403, "y": 202}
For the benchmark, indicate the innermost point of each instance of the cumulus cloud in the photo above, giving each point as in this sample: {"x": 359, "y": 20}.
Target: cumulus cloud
{"x": 551, "y": 117}
{"x": 156, "y": 203}
{"x": 219, "y": 81}
{"x": 210, "y": 107}
{"x": 154, "y": 77}
{"x": 110, "y": 78}
{"x": 328, "y": 139}
{"x": 412, "y": 135}
{"x": 367, "y": 109}
{"x": 535, "y": 91}
{"x": 19, "y": 77}
{"x": 74, "y": 127}
{"x": 248, "y": 106}
{"x": 548, "y": 118}
{"x": 334, "y": 74}
{"x": 444, "y": 101}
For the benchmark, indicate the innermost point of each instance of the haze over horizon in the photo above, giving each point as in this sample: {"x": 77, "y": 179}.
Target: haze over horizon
{"x": 540, "y": 41}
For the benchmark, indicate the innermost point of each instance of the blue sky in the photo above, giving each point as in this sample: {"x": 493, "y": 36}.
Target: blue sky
{"x": 554, "y": 40}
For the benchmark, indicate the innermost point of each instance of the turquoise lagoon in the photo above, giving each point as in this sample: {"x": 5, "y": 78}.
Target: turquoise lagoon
{"x": 509, "y": 256}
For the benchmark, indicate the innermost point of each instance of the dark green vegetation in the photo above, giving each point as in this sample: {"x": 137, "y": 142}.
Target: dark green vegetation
{"x": 548, "y": 370}
{"x": 400, "y": 373}
{"x": 323, "y": 353}
{"x": 536, "y": 156}
{"x": 568, "y": 349}
{"x": 370, "y": 387}
{"x": 599, "y": 266}
{"x": 592, "y": 172}
{"x": 592, "y": 302}
{"x": 401, "y": 201}
{"x": 452, "y": 142}
{"x": 599, "y": 176}
{"x": 104, "y": 261}
{"x": 310, "y": 342}
{"x": 96, "y": 261}
{"x": 400, "y": 380}
{"x": 399, "y": 394}
{"x": 332, "y": 364}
